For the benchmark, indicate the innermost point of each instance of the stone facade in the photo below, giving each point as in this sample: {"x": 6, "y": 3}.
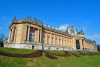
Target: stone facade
{"x": 32, "y": 34}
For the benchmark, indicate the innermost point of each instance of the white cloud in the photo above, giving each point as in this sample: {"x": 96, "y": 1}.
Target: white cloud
{"x": 63, "y": 27}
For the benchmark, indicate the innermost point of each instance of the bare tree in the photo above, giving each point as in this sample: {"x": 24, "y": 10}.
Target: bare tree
{"x": 2, "y": 38}
{"x": 98, "y": 48}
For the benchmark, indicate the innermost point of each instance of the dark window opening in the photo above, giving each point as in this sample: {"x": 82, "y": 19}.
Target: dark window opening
{"x": 32, "y": 47}
{"x": 77, "y": 44}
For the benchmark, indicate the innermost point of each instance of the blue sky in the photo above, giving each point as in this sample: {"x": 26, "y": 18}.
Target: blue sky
{"x": 82, "y": 14}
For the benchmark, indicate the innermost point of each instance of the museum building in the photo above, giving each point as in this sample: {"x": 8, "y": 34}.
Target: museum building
{"x": 33, "y": 34}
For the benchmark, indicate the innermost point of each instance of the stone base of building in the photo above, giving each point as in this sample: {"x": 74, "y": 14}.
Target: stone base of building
{"x": 39, "y": 47}
{"x": 18, "y": 46}
{"x": 36, "y": 47}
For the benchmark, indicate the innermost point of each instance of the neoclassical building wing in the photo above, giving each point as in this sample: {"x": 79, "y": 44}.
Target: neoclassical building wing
{"x": 32, "y": 34}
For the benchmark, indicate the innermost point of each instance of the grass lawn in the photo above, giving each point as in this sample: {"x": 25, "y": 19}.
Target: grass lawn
{"x": 72, "y": 61}
{"x": 17, "y": 51}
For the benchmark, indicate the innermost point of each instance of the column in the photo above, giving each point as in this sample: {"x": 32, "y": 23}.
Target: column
{"x": 38, "y": 35}
{"x": 66, "y": 42}
{"x": 12, "y": 33}
{"x": 61, "y": 41}
{"x": 83, "y": 43}
{"x": 41, "y": 36}
{"x": 9, "y": 36}
{"x": 81, "y": 46}
{"x": 35, "y": 35}
{"x": 28, "y": 33}
{"x": 73, "y": 43}
{"x": 57, "y": 40}
{"x": 46, "y": 38}
{"x": 50, "y": 40}
{"x": 25, "y": 34}
{"x": 54, "y": 41}
{"x": 69, "y": 43}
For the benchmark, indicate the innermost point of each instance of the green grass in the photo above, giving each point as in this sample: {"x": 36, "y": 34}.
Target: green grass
{"x": 56, "y": 51}
{"x": 17, "y": 51}
{"x": 72, "y": 61}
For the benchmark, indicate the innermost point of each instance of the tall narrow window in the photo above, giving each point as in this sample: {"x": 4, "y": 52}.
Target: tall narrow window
{"x": 31, "y": 35}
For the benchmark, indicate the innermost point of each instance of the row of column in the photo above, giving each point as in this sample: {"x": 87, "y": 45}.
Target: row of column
{"x": 38, "y": 34}
{"x": 61, "y": 41}
{"x": 12, "y": 34}
{"x": 50, "y": 39}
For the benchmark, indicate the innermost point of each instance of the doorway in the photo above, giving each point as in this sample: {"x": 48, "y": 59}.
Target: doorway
{"x": 32, "y": 47}
{"x": 77, "y": 44}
